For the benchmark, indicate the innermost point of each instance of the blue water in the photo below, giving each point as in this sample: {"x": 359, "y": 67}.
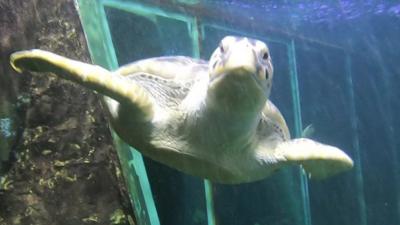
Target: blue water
{"x": 336, "y": 66}
{"x": 345, "y": 55}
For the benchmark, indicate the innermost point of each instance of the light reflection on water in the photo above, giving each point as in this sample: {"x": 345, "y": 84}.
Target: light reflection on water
{"x": 320, "y": 11}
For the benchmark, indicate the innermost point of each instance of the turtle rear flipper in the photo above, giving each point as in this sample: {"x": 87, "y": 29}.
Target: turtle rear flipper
{"x": 319, "y": 160}
{"x": 91, "y": 76}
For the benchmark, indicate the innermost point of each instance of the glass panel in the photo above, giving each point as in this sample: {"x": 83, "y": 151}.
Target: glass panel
{"x": 379, "y": 164}
{"x": 152, "y": 36}
{"x": 138, "y": 37}
{"x": 367, "y": 30}
{"x": 102, "y": 53}
{"x": 278, "y": 199}
{"x": 324, "y": 93}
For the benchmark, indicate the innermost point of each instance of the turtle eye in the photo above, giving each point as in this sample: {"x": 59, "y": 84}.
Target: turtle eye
{"x": 215, "y": 64}
{"x": 266, "y": 56}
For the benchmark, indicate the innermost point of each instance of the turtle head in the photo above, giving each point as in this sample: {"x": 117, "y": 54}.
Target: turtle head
{"x": 241, "y": 72}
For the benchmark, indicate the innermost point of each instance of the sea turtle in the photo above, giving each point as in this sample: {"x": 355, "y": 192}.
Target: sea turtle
{"x": 209, "y": 119}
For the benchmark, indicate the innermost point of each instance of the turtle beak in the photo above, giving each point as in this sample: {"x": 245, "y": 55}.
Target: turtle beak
{"x": 241, "y": 60}
{"x": 239, "y": 63}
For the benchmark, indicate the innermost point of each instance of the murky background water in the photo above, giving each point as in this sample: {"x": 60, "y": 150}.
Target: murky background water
{"x": 336, "y": 67}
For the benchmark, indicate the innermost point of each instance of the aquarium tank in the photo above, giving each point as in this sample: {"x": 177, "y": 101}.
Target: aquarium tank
{"x": 336, "y": 80}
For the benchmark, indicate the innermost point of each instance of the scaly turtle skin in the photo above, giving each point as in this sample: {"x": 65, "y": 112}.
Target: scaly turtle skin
{"x": 209, "y": 119}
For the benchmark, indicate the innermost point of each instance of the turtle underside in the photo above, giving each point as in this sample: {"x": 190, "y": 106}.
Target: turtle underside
{"x": 186, "y": 114}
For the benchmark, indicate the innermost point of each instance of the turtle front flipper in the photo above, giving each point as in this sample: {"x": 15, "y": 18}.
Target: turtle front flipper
{"x": 318, "y": 160}
{"x": 91, "y": 76}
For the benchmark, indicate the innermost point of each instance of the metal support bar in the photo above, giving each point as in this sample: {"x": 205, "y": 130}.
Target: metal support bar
{"x": 356, "y": 145}
{"x": 298, "y": 126}
{"x": 208, "y": 191}
{"x": 140, "y": 9}
{"x": 138, "y": 185}
{"x": 209, "y": 202}
{"x": 245, "y": 33}
{"x": 102, "y": 52}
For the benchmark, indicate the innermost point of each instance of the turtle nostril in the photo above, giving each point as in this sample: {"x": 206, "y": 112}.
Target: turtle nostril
{"x": 221, "y": 48}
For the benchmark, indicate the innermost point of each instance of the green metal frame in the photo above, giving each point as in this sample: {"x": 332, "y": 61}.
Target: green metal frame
{"x": 298, "y": 126}
{"x": 102, "y": 52}
{"x": 291, "y": 52}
